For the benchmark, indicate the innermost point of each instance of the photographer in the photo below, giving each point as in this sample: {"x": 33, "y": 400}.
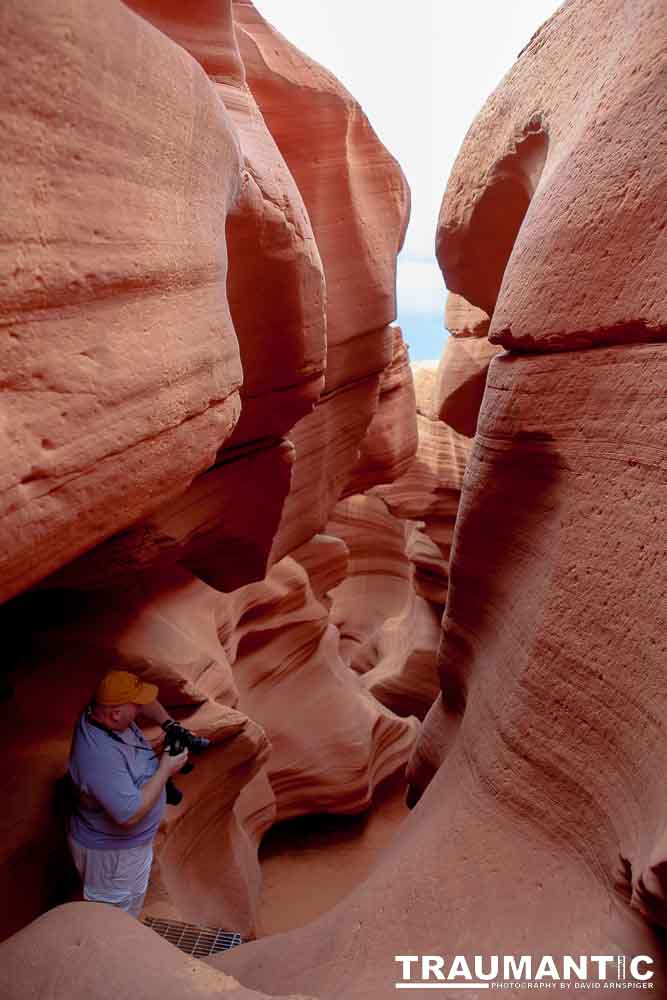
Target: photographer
{"x": 120, "y": 785}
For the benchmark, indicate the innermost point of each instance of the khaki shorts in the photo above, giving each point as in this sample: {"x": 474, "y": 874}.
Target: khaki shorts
{"x": 116, "y": 877}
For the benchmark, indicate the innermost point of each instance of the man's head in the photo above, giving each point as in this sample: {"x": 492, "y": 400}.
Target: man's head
{"x": 118, "y": 698}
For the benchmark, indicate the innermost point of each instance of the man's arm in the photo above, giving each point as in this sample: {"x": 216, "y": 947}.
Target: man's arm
{"x": 105, "y": 776}
{"x": 151, "y": 791}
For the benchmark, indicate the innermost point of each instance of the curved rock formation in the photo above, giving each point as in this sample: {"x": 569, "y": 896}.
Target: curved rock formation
{"x": 541, "y": 764}
{"x": 108, "y": 409}
{"x": 463, "y": 319}
{"x": 404, "y": 673}
{"x": 538, "y": 774}
{"x": 389, "y": 606}
{"x": 161, "y": 585}
{"x": 548, "y": 212}
{"x": 74, "y": 953}
{"x": 357, "y": 201}
{"x": 429, "y": 490}
{"x": 164, "y": 629}
{"x": 332, "y": 743}
{"x": 222, "y": 527}
{"x": 378, "y": 577}
{"x": 275, "y": 288}
{"x": 390, "y": 443}
{"x": 233, "y": 667}
{"x": 463, "y": 367}
{"x": 355, "y": 193}
{"x": 327, "y": 444}
{"x": 275, "y": 284}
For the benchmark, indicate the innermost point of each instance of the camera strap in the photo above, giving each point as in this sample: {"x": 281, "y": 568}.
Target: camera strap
{"x": 115, "y": 736}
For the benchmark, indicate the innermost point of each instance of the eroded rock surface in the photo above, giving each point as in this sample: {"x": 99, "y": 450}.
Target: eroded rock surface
{"x": 389, "y": 606}
{"x": 355, "y": 192}
{"x": 276, "y": 295}
{"x": 72, "y": 953}
{"x": 275, "y": 283}
{"x": 537, "y": 778}
{"x": 540, "y": 765}
{"x": 463, "y": 367}
{"x": 129, "y": 164}
{"x": 430, "y": 488}
{"x": 167, "y": 507}
{"x": 332, "y": 741}
{"x": 552, "y": 219}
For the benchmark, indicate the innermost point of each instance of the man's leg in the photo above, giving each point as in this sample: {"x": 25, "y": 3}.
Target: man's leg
{"x": 135, "y": 870}
{"x": 119, "y": 878}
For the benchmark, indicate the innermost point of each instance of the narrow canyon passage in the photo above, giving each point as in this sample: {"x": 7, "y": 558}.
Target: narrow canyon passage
{"x": 311, "y": 863}
{"x": 407, "y": 618}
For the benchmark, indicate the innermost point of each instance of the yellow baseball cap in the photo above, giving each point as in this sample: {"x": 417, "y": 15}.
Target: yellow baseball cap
{"x": 119, "y": 687}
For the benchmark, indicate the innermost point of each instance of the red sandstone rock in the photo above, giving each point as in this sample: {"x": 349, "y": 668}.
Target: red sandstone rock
{"x": 163, "y": 622}
{"x": 355, "y": 193}
{"x": 265, "y": 655}
{"x": 275, "y": 283}
{"x": 327, "y": 447}
{"x": 113, "y": 410}
{"x": 429, "y": 491}
{"x": 88, "y": 950}
{"x": 227, "y": 806}
{"x": 325, "y": 560}
{"x": 430, "y": 579}
{"x": 404, "y": 675}
{"x": 205, "y": 28}
{"x": 542, "y": 829}
{"x": 389, "y": 607}
{"x": 332, "y": 742}
{"x": 551, "y": 220}
{"x": 357, "y": 202}
{"x": 424, "y": 374}
{"x": 388, "y": 632}
{"x": 221, "y": 528}
{"x": 310, "y": 864}
{"x": 463, "y": 366}
{"x": 272, "y": 249}
{"x": 463, "y": 319}
{"x": 461, "y": 380}
{"x": 378, "y": 579}
{"x": 552, "y": 738}
{"x": 580, "y": 533}
{"x": 391, "y": 439}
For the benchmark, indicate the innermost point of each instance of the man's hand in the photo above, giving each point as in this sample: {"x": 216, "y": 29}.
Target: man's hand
{"x": 171, "y": 765}
{"x": 152, "y": 789}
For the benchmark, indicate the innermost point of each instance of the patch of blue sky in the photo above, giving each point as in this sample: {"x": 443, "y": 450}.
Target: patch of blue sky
{"x": 421, "y": 295}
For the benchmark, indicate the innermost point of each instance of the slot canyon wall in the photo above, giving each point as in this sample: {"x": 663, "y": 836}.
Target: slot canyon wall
{"x": 202, "y": 392}
{"x": 221, "y": 471}
{"x": 539, "y": 824}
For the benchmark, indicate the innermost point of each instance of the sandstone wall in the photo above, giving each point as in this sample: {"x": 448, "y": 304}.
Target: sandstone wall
{"x": 113, "y": 246}
{"x": 389, "y": 607}
{"x": 201, "y": 365}
{"x": 540, "y": 824}
{"x": 539, "y": 819}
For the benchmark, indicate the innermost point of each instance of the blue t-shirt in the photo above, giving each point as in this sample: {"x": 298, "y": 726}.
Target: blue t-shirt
{"x": 111, "y": 773}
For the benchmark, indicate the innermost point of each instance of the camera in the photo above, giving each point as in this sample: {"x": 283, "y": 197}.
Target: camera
{"x": 177, "y": 739}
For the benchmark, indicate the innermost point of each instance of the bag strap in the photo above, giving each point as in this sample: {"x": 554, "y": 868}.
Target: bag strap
{"x": 114, "y": 736}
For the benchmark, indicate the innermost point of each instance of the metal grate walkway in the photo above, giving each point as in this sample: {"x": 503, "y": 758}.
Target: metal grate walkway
{"x": 200, "y": 942}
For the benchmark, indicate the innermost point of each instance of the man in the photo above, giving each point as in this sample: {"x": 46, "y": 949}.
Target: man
{"x": 121, "y": 791}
